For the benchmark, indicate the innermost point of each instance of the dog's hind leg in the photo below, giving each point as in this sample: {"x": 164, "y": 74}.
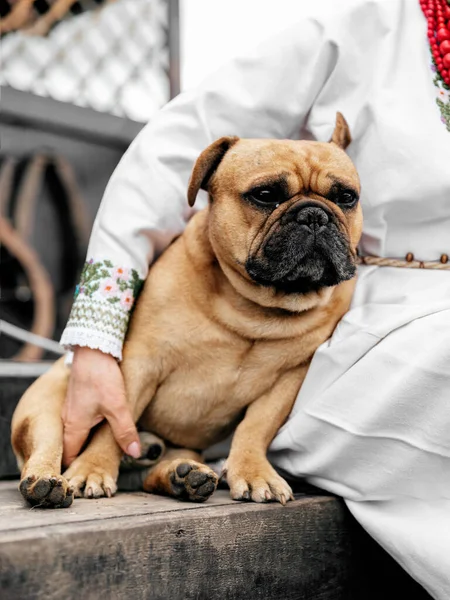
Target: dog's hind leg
{"x": 37, "y": 440}
{"x": 182, "y": 475}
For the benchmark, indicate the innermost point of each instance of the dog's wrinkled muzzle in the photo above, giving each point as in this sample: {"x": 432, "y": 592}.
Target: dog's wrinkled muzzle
{"x": 305, "y": 251}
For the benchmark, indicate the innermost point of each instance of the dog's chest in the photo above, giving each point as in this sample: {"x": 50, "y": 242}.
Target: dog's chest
{"x": 201, "y": 400}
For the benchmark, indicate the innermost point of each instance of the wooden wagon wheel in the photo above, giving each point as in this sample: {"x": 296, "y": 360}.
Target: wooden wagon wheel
{"x": 25, "y": 205}
{"x": 40, "y": 286}
{"x": 17, "y": 235}
{"x": 68, "y": 202}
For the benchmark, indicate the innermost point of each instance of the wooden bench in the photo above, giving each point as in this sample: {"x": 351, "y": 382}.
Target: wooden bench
{"x": 136, "y": 546}
{"x": 149, "y": 547}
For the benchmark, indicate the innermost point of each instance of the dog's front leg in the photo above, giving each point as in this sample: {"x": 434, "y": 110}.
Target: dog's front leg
{"x": 94, "y": 473}
{"x": 37, "y": 439}
{"x": 249, "y": 473}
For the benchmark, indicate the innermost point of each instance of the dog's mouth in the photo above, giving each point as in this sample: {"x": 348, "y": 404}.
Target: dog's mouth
{"x": 306, "y": 251}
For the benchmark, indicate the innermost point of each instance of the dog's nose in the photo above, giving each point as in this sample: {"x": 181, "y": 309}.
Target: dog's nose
{"x": 313, "y": 217}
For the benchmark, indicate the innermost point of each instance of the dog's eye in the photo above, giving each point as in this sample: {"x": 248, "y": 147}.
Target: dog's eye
{"x": 346, "y": 198}
{"x": 266, "y": 196}
{"x": 343, "y": 196}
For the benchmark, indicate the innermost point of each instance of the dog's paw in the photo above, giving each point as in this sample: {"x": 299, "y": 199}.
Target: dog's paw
{"x": 192, "y": 481}
{"x": 90, "y": 480}
{"x": 258, "y": 482}
{"x": 152, "y": 450}
{"x": 48, "y": 491}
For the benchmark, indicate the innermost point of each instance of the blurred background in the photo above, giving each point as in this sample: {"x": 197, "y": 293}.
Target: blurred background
{"x": 78, "y": 81}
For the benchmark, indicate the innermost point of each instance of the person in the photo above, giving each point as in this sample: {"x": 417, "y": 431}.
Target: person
{"x": 371, "y": 422}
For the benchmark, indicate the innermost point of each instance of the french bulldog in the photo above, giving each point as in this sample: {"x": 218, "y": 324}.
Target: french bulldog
{"x": 225, "y": 328}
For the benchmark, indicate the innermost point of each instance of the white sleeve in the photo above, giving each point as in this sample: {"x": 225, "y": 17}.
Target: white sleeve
{"x": 269, "y": 93}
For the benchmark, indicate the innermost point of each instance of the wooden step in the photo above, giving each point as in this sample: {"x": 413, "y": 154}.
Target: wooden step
{"x": 137, "y": 546}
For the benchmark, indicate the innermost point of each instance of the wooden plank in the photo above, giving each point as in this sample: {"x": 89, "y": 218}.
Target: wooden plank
{"x": 61, "y": 118}
{"x": 237, "y": 551}
{"x": 147, "y": 547}
{"x": 16, "y": 516}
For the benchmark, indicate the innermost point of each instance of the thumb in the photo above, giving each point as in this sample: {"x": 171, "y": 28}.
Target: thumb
{"x": 73, "y": 440}
{"x": 124, "y": 429}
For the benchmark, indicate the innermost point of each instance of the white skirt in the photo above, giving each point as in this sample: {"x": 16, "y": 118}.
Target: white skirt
{"x": 372, "y": 420}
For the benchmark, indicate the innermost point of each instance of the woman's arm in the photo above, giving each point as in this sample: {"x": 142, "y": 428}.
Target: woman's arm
{"x": 266, "y": 94}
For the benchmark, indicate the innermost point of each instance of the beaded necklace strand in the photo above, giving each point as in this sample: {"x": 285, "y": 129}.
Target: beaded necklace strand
{"x": 437, "y": 13}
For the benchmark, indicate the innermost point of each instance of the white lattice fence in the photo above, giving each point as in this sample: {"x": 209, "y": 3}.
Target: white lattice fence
{"x": 114, "y": 59}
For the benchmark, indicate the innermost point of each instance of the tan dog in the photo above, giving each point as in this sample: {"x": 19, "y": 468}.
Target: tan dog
{"x": 225, "y": 328}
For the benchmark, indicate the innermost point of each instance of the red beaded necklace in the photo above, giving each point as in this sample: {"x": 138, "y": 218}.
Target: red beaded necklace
{"x": 437, "y": 13}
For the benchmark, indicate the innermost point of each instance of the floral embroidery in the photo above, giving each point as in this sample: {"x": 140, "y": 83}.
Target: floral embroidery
{"x": 122, "y": 273}
{"x": 86, "y": 314}
{"x": 115, "y": 284}
{"x": 442, "y": 96}
{"x": 104, "y": 299}
{"x": 126, "y": 300}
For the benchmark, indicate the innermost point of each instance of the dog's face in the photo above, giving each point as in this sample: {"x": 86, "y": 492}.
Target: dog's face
{"x": 284, "y": 214}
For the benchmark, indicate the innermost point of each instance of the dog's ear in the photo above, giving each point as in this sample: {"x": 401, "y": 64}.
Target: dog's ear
{"x": 206, "y": 164}
{"x": 341, "y": 134}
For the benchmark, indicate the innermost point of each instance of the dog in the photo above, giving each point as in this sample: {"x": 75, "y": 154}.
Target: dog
{"x": 225, "y": 328}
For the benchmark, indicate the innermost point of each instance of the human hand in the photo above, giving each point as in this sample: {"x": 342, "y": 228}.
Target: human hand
{"x": 96, "y": 391}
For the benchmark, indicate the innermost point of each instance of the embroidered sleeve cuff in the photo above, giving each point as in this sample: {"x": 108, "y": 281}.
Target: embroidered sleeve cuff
{"x": 101, "y": 311}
